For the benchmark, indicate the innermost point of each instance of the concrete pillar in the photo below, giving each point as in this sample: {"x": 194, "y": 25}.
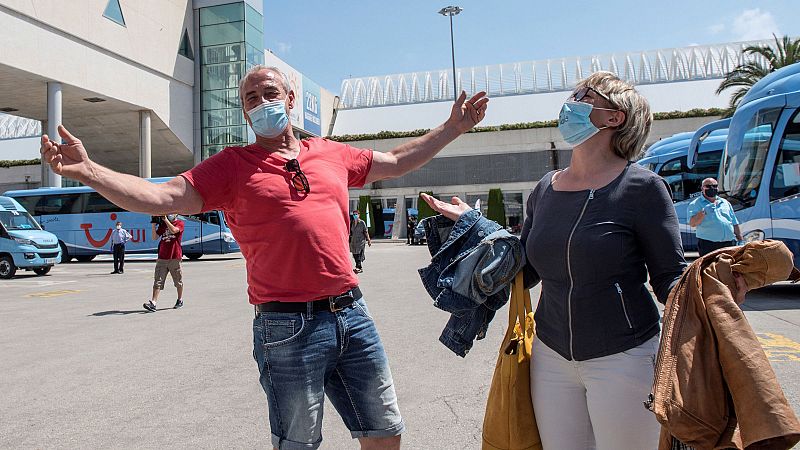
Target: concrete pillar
{"x": 145, "y": 153}
{"x": 525, "y": 194}
{"x": 44, "y": 169}
{"x": 50, "y": 178}
{"x": 400, "y": 219}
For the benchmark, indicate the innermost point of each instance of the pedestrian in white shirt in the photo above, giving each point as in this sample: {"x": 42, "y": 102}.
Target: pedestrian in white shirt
{"x": 119, "y": 236}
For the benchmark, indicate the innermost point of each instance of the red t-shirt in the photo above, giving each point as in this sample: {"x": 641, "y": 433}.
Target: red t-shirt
{"x": 170, "y": 245}
{"x": 295, "y": 244}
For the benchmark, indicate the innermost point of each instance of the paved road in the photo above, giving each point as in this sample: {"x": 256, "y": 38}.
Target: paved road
{"x": 84, "y": 366}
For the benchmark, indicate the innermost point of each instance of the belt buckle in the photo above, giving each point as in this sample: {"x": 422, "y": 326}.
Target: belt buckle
{"x": 332, "y": 303}
{"x": 334, "y": 306}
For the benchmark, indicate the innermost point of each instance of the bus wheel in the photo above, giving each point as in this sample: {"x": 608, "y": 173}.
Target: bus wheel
{"x": 194, "y": 256}
{"x": 42, "y": 270}
{"x": 7, "y": 267}
{"x": 85, "y": 258}
{"x": 65, "y": 258}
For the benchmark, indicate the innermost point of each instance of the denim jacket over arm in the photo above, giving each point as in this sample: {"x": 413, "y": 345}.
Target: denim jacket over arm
{"x": 473, "y": 263}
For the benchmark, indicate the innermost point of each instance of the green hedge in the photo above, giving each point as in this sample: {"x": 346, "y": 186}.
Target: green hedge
{"x": 376, "y": 217}
{"x": 423, "y": 209}
{"x": 19, "y": 162}
{"x": 364, "y": 202}
{"x": 697, "y": 112}
{"x": 496, "y": 209}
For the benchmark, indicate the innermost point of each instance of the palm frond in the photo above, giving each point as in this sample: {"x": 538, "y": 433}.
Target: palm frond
{"x": 746, "y": 74}
{"x": 737, "y": 97}
{"x": 786, "y": 51}
{"x": 762, "y": 50}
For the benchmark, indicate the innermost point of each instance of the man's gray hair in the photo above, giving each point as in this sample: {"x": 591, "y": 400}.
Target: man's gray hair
{"x": 258, "y": 68}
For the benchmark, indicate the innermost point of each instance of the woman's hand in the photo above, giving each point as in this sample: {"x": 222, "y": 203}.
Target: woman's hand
{"x": 452, "y": 210}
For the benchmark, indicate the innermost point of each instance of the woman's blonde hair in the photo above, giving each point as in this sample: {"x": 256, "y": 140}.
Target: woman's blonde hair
{"x": 630, "y": 136}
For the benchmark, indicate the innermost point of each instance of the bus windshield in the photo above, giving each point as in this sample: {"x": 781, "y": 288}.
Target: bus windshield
{"x": 745, "y": 159}
{"x": 18, "y": 220}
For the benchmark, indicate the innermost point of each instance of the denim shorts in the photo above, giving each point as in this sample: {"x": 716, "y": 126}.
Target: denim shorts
{"x": 303, "y": 357}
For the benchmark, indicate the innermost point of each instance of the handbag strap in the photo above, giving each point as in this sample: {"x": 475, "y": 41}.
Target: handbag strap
{"x": 520, "y": 305}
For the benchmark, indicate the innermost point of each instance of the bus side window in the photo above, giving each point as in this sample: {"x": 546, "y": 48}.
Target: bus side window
{"x": 57, "y": 204}
{"x": 786, "y": 179}
{"x": 29, "y": 203}
{"x": 672, "y": 172}
{"x": 208, "y": 217}
{"x": 707, "y": 166}
{"x": 96, "y": 203}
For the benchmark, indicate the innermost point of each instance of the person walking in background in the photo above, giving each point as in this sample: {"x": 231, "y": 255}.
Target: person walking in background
{"x": 170, "y": 253}
{"x": 359, "y": 239}
{"x": 717, "y": 225}
{"x": 119, "y": 236}
{"x": 411, "y": 224}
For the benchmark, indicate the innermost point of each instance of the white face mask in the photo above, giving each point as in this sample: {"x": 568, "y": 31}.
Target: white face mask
{"x": 119, "y": 227}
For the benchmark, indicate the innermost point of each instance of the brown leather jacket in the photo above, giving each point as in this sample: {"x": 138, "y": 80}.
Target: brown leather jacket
{"x": 714, "y": 387}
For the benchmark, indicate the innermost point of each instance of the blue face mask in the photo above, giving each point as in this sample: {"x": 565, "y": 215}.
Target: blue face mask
{"x": 574, "y": 123}
{"x": 269, "y": 119}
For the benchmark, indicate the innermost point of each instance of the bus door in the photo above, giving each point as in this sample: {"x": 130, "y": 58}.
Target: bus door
{"x": 206, "y": 236}
{"x": 192, "y": 235}
{"x": 212, "y": 233}
{"x": 673, "y": 171}
{"x": 784, "y": 190}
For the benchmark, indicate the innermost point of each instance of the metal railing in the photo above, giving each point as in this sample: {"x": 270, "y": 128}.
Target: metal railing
{"x": 13, "y": 127}
{"x": 699, "y": 62}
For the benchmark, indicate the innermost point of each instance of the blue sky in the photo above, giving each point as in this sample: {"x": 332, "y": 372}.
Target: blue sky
{"x": 332, "y": 40}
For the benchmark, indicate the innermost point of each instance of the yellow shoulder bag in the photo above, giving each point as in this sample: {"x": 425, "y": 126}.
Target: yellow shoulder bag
{"x": 509, "y": 423}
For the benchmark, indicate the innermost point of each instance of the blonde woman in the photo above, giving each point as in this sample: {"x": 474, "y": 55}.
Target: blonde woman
{"x": 592, "y": 233}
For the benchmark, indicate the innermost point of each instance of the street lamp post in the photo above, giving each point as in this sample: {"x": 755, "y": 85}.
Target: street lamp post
{"x": 452, "y": 11}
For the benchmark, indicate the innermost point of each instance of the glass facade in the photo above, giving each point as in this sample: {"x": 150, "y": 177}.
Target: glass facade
{"x": 231, "y": 41}
{"x": 185, "y": 48}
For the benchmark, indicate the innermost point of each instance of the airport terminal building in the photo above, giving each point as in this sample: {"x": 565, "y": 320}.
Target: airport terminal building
{"x": 151, "y": 87}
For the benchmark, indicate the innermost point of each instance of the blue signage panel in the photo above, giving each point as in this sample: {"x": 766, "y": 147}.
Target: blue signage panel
{"x": 311, "y": 107}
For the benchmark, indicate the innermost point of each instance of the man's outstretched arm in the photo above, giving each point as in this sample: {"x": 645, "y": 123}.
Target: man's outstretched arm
{"x": 416, "y": 153}
{"x": 129, "y": 192}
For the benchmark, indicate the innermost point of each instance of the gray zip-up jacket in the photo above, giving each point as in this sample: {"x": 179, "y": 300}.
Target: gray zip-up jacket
{"x": 593, "y": 250}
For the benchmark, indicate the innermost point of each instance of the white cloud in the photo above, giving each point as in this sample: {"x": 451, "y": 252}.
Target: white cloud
{"x": 717, "y": 28}
{"x": 754, "y": 24}
{"x": 284, "y": 47}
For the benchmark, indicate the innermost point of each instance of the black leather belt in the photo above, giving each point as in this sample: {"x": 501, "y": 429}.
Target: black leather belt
{"x": 332, "y": 304}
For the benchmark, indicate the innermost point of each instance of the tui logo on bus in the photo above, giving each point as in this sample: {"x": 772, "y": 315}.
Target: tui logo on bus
{"x": 138, "y": 235}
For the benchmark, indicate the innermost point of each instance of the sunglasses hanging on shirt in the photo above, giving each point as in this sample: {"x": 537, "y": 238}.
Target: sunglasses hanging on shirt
{"x": 299, "y": 179}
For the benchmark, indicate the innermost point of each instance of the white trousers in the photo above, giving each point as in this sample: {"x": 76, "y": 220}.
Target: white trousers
{"x": 594, "y": 404}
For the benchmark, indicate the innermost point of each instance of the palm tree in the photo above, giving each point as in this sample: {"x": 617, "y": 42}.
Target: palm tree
{"x": 786, "y": 52}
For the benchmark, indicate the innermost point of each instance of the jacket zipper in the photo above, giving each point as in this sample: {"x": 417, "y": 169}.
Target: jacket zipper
{"x": 569, "y": 271}
{"x": 622, "y": 300}
{"x": 650, "y": 402}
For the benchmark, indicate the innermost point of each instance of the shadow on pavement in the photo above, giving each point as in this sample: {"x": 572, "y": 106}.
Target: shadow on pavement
{"x": 783, "y": 296}
{"x": 151, "y": 259}
{"x": 117, "y": 312}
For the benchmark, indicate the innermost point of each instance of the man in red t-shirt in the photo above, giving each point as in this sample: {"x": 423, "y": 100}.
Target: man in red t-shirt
{"x": 170, "y": 252}
{"x": 286, "y": 202}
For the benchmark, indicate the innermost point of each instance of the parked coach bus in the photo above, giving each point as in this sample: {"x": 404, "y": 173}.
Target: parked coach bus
{"x": 82, "y": 219}
{"x": 761, "y": 177}
{"x": 667, "y": 158}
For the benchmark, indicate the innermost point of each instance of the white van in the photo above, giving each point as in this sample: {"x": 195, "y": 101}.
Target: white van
{"x": 23, "y": 243}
